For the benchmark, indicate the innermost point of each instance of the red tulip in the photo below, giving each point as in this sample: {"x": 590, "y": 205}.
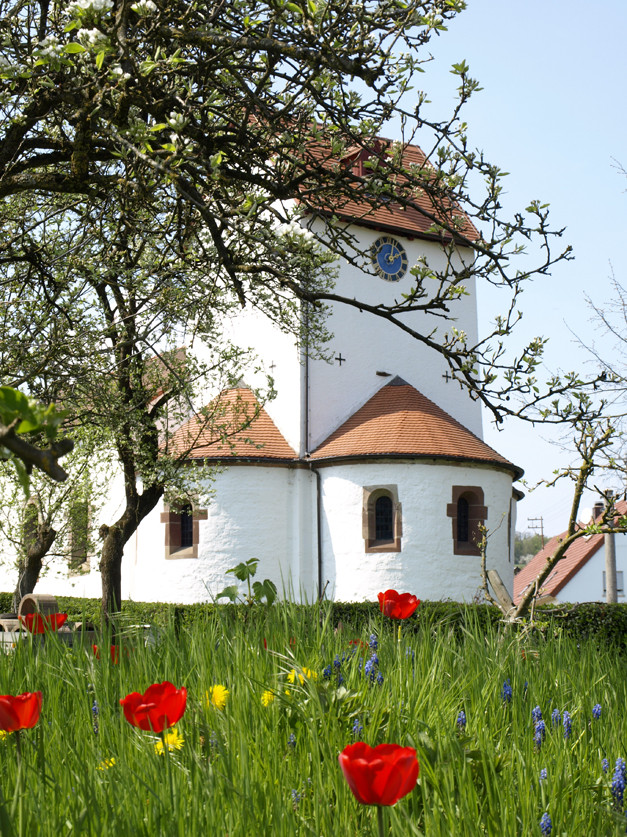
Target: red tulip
{"x": 19, "y": 711}
{"x": 379, "y": 775}
{"x": 38, "y": 624}
{"x": 397, "y": 605}
{"x": 115, "y": 653}
{"x": 160, "y": 707}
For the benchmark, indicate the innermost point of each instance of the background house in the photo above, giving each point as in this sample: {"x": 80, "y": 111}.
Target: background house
{"x": 580, "y": 575}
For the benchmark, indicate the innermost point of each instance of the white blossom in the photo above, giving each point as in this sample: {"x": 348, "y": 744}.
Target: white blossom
{"x": 116, "y": 70}
{"x": 144, "y": 7}
{"x": 50, "y": 46}
{"x": 91, "y": 37}
{"x": 293, "y": 228}
{"x": 176, "y": 121}
{"x": 79, "y": 7}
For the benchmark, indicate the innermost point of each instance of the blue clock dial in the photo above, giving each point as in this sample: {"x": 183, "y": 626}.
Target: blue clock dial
{"x": 389, "y": 258}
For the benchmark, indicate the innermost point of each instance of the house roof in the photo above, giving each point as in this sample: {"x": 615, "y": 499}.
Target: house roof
{"x": 415, "y": 220}
{"x": 577, "y": 555}
{"x": 212, "y": 437}
{"x": 398, "y": 420}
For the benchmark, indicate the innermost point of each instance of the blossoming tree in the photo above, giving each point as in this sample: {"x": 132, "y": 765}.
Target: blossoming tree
{"x": 225, "y": 126}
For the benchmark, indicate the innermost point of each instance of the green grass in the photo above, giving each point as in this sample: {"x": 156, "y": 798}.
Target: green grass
{"x": 237, "y": 771}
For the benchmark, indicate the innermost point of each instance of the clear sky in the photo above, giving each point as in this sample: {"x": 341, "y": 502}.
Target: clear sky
{"x": 551, "y": 113}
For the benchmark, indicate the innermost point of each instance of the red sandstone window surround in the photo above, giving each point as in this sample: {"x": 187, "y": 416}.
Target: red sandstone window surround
{"x": 182, "y": 530}
{"x": 467, "y": 511}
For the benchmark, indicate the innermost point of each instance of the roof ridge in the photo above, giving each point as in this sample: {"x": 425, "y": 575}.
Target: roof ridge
{"x": 258, "y": 437}
{"x": 420, "y": 427}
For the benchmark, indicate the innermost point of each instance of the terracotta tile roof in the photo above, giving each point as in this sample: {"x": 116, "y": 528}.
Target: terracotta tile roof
{"x": 259, "y": 437}
{"x": 413, "y": 220}
{"x": 577, "y": 554}
{"x": 399, "y": 420}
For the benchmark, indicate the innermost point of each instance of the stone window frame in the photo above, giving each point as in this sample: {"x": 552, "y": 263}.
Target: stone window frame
{"x": 477, "y": 514}
{"x": 371, "y": 494}
{"x": 171, "y": 516}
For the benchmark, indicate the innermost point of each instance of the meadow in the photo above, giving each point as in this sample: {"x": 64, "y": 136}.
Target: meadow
{"x": 515, "y": 733}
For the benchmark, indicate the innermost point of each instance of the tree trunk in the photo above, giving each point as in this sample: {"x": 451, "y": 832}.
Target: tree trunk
{"x": 111, "y": 569}
{"x": 38, "y": 544}
{"x": 114, "y": 540}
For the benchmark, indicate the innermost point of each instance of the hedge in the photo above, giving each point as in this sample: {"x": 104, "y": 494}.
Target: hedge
{"x": 590, "y": 620}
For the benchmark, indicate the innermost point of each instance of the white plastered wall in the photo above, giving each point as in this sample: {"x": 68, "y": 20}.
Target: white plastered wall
{"x": 426, "y": 565}
{"x": 371, "y": 344}
{"x": 257, "y": 512}
{"x": 587, "y": 585}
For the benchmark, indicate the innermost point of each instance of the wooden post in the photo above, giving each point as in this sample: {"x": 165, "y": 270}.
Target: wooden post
{"x": 500, "y": 591}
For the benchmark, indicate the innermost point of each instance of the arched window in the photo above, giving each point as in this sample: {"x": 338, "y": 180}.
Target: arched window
{"x": 182, "y": 530}
{"x": 468, "y": 513}
{"x": 462, "y": 520}
{"x": 187, "y": 526}
{"x": 381, "y": 527}
{"x": 384, "y": 518}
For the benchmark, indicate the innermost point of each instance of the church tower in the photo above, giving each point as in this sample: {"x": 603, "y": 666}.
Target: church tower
{"x": 367, "y": 472}
{"x": 364, "y": 473}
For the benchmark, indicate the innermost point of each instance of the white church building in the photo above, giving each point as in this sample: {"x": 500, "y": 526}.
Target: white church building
{"x": 365, "y": 473}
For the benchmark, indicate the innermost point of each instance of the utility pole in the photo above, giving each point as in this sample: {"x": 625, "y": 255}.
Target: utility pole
{"x": 611, "y": 595}
{"x": 539, "y": 521}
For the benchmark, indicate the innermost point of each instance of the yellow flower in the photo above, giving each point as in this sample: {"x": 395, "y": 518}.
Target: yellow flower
{"x": 3, "y": 734}
{"x": 106, "y": 764}
{"x": 307, "y": 673}
{"x": 267, "y": 697}
{"x": 171, "y": 739}
{"x": 292, "y": 677}
{"x": 217, "y": 696}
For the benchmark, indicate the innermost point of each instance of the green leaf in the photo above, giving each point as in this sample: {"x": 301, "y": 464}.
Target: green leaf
{"x": 265, "y": 589}
{"x": 13, "y": 405}
{"x": 73, "y": 48}
{"x": 244, "y": 571}
{"x": 230, "y": 593}
{"x": 100, "y": 59}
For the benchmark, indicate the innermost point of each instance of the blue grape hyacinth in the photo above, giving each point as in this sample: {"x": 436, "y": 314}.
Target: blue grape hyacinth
{"x": 357, "y": 729}
{"x": 506, "y": 692}
{"x": 596, "y": 711}
{"x": 618, "y": 781}
{"x": 546, "y": 825}
{"x": 567, "y": 724}
{"x": 461, "y": 720}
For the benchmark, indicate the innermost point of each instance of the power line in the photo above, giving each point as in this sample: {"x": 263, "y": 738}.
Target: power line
{"x": 539, "y": 521}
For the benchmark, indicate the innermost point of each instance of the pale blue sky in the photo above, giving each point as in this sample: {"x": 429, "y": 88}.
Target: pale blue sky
{"x": 552, "y": 113}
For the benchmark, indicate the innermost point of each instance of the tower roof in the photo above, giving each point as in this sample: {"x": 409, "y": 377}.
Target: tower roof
{"x": 400, "y": 421}
{"x": 417, "y": 214}
{"x": 236, "y": 426}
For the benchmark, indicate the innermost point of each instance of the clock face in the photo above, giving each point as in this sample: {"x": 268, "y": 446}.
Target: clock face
{"x": 389, "y": 258}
